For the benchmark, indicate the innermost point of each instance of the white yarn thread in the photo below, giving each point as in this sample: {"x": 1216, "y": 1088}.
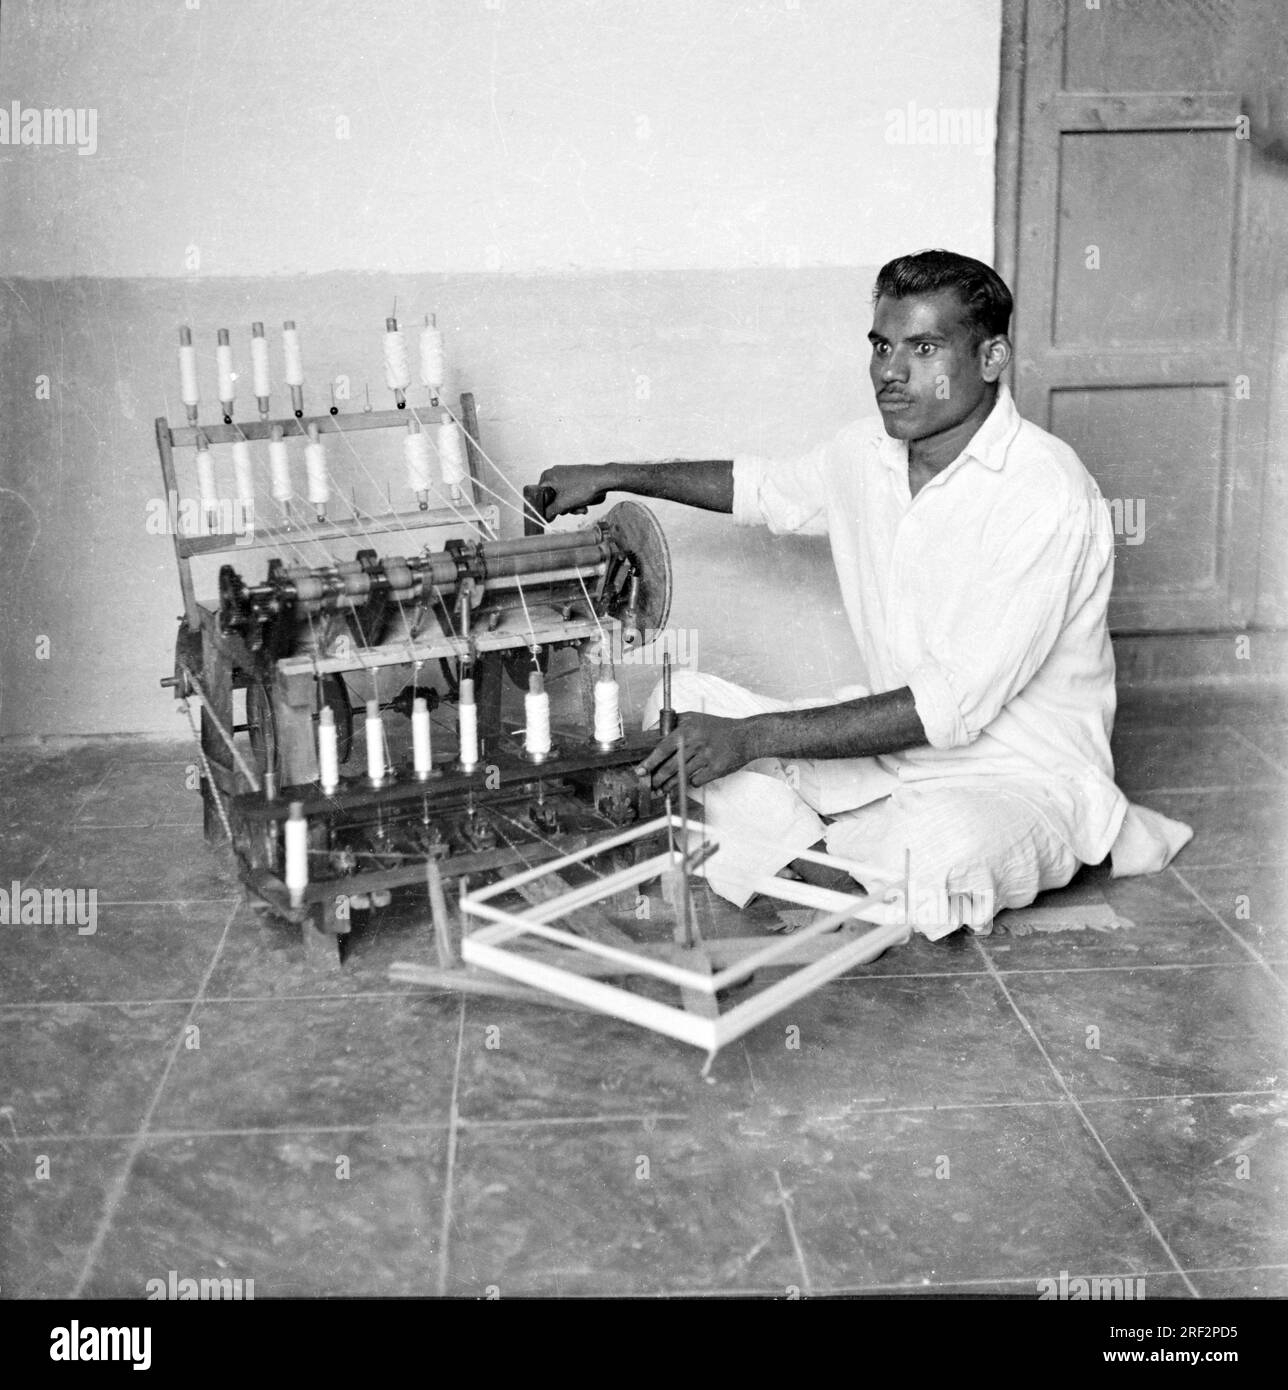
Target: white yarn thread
{"x": 468, "y": 724}
{"x": 319, "y": 485}
{"x": 243, "y": 473}
{"x": 608, "y": 713}
{"x": 536, "y": 708}
{"x": 279, "y": 467}
{"x": 188, "y": 392}
{"x": 397, "y": 369}
{"x": 328, "y": 751}
{"x": 259, "y": 365}
{"x": 422, "y": 755}
{"x": 224, "y": 362}
{"x": 451, "y": 454}
{"x": 206, "y": 484}
{"x": 375, "y": 742}
{"x": 297, "y": 853}
{"x": 419, "y": 464}
{"x": 291, "y": 351}
{"x": 433, "y": 367}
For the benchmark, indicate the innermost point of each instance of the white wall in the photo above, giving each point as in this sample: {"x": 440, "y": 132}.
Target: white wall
{"x": 529, "y": 135}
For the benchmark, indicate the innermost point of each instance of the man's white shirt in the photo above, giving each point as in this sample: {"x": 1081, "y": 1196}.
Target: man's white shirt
{"x": 986, "y": 594}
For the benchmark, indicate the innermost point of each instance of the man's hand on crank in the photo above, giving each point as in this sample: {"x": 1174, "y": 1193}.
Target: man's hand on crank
{"x": 713, "y": 747}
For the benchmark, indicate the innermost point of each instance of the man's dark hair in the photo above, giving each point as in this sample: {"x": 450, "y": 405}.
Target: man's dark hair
{"x": 980, "y": 288}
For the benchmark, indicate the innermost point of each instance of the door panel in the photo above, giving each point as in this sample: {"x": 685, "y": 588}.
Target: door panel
{"x": 1133, "y": 293}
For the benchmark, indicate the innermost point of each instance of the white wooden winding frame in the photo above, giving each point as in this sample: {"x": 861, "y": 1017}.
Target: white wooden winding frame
{"x": 708, "y": 1029}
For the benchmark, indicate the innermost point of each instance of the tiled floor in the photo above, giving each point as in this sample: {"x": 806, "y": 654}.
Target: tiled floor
{"x": 181, "y": 1093}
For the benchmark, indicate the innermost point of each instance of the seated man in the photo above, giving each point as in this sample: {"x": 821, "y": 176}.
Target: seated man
{"x": 975, "y": 557}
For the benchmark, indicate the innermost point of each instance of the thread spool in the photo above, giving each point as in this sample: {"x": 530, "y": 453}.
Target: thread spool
{"x": 297, "y": 853}
{"x": 244, "y": 476}
{"x": 206, "y": 488}
{"x": 608, "y": 712}
{"x": 227, "y": 377}
{"x": 328, "y": 751}
{"x": 422, "y": 755}
{"x": 397, "y": 368}
{"x": 294, "y": 366}
{"x": 279, "y": 467}
{"x": 188, "y": 392}
{"x": 419, "y": 466}
{"x": 468, "y": 726}
{"x": 451, "y": 456}
{"x": 319, "y": 485}
{"x": 260, "y": 380}
{"x": 375, "y": 744}
{"x": 433, "y": 367}
{"x": 536, "y": 708}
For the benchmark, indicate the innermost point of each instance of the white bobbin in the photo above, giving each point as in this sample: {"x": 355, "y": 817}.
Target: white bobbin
{"x": 451, "y": 455}
{"x": 397, "y": 368}
{"x": 608, "y": 712}
{"x": 375, "y": 744}
{"x": 419, "y": 464}
{"x": 227, "y": 377}
{"x": 206, "y": 488}
{"x": 260, "y": 379}
{"x": 319, "y": 485}
{"x": 294, "y": 366}
{"x": 297, "y": 853}
{"x": 279, "y": 467}
{"x": 188, "y": 392}
{"x": 536, "y": 709}
{"x": 433, "y": 363}
{"x": 468, "y": 726}
{"x": 244, "y": 476}
{"x": 422, "y": 755}
{"x": 328, "y": 751}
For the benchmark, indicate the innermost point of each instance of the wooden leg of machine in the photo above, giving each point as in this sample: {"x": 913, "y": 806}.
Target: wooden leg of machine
{"x": 321, "y": 942}
{"x": 217, "y": 682}
{"x": 488, "y": 673}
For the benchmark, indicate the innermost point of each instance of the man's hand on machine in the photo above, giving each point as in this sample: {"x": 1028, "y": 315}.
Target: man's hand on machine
{"x": 574, "y": 487}
{"x": 713, "y": 747}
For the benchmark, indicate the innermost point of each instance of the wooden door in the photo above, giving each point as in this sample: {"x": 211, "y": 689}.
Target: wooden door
{"x": 1124, "y": 232}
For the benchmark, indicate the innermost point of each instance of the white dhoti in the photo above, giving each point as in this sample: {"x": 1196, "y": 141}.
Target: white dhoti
{"x": 952, "y": 856}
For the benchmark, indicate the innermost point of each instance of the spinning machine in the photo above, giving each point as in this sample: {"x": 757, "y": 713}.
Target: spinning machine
{"x": 412, "y": 612}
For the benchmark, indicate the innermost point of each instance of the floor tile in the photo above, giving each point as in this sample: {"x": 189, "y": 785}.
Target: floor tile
{"x": 916, "y": 1041}
{"x": 1158, "y": 1032}
{"x": 960, "y": 1195}
{"x": 314, "y": 1063}
{"x": 1252, "y": 900}
{"x": 49, "y": 1221}
{"x": 263, "y": 957}
{"x": 133, "y": 864}
{"x": 1212, "y": 706}
{"x": 137, "y": 951}
{"x": 279, "y": 1209}
{"x": 1231, "y": 827}
{"x": 614, "y": 1211}
{"x": 1163, "y": 925}
{"x": 1149, "y": 759}
{"x": 1213, "y": 1173}
{"x": 143, "y": 794}
{"x": 1242, "y": 1283}
{"x": 81, "y": 1069}
{"x": 527, "y": 1062}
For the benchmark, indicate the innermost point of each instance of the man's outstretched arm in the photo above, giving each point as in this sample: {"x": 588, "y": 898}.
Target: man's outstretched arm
{"x": 715, "y": 747}
{"x": 704, "y": 483}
